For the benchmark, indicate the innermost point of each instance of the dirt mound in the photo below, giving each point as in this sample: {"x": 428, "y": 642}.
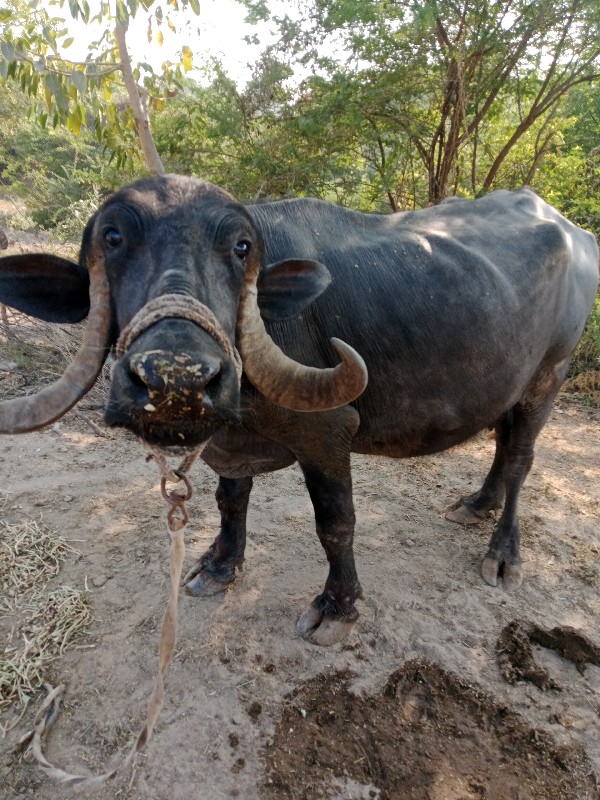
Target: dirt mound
{"x": 426, "y": 736}
{"x": 517, "y": 662}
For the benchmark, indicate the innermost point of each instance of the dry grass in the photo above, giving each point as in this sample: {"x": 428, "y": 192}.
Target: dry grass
{"x": 45, "y": 620}
{"x": 586, "y": 384}
{"x": 34, "y": 354}
{"x": 29, "y": 554}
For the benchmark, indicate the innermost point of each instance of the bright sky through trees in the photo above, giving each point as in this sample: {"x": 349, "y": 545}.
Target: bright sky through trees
{"x": 219, "y": 32}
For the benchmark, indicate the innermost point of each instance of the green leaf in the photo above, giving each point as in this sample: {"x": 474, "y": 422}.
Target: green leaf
{"x": 54, "y": 85}
{"x": 8, "y": 50}
{"x": 195, "y": 6}
{"x": 49, "y": 35}
{"x": 186, "y": 58}
{"x": 74, "y": 120}
{"x": 78, "y": 78}
{"x": 122, "y": 14}
{"x": 68, "y": 42}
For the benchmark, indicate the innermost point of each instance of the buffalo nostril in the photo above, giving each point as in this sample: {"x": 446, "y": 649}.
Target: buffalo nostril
{"x": 136, "y": 380}
{"x": 212, "y": 376}
{"x": 211, "y": 388}
{"x": 138, "y": 387}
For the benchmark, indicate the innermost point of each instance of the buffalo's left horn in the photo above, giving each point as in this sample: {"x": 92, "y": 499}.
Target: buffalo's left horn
{"x": 29, "y": 413}
{"x": 285, "y": 381}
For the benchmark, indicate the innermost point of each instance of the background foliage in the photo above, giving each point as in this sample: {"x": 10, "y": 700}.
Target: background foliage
{"x": 375, "y": 105}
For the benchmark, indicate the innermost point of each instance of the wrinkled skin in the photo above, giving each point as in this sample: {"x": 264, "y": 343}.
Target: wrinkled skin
{"x": 466, "y": 315}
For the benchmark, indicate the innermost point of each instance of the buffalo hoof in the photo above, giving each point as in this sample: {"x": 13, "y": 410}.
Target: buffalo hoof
{"x": 314, "y": 626}
{"x": 492, "y": 568}
{"x": 462, "y": 514}
{"x": 200, "y": 583}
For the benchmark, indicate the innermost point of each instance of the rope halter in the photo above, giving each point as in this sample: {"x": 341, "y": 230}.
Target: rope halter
{"x": 185, "y": 307}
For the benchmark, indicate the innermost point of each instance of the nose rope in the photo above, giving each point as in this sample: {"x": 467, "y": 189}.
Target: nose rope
{"x": 184, "y": 307}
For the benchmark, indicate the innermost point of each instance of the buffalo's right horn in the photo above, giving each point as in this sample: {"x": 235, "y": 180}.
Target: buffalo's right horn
{"x": 283, "y": 380}
{"x": 34, "y": 411}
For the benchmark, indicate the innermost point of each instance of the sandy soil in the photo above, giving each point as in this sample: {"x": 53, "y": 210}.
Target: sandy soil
{"x": 254, "y": 711}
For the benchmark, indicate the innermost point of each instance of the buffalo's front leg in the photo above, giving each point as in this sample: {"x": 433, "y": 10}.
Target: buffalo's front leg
{"x": 331, "y": 615}
{"x": 215, "y": 570}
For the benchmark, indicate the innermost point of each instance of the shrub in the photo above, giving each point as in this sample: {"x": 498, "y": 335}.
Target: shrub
{"x": 587, "y": 354}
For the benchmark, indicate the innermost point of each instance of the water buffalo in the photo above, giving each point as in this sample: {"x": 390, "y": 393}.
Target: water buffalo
{"x": 465, "y": 314}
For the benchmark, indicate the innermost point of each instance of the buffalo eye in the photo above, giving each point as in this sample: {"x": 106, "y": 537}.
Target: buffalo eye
{"x": 242, "y": 248}
{"x": 112, "y": 237}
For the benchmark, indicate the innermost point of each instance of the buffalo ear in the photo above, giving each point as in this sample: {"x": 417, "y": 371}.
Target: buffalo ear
{"x": 288, "y": 287}
{"x": 48, "y": 287}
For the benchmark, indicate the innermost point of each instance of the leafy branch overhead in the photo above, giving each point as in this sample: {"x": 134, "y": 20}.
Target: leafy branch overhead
{"x": 428, "y": 86}
{"x": 370, "y": 103}
{"x": 104, "y": 92}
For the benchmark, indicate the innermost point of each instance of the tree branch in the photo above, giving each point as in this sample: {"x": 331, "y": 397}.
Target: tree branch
{"x": 140, "y": 114}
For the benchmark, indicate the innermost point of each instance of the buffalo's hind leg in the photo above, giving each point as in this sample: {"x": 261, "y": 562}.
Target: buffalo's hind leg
{"x": 514, "y": 457}
{"x": 474, "y": 508}
{"x": 503, "y": 559}
{"x": 215, "y": 570}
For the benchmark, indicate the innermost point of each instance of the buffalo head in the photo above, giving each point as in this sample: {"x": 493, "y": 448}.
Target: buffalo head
{"x": 176, "y": 282}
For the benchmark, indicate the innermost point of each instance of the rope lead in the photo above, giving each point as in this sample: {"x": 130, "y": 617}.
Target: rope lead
{"x": 176, "y": 518}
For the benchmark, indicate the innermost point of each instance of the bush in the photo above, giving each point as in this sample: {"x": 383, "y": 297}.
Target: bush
{"x": 59, "y": 176}
{"x": 587, "y": 354}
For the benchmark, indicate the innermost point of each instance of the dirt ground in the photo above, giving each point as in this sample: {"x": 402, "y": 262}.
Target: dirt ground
{"x": 417, "y": 702}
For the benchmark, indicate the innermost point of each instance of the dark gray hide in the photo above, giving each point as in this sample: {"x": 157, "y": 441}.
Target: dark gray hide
{"x": 466, "y": 315}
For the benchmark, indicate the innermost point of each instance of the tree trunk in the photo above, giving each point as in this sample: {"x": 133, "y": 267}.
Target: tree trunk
{"x": 140, "y": 112}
